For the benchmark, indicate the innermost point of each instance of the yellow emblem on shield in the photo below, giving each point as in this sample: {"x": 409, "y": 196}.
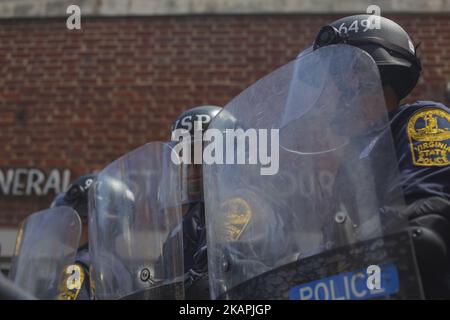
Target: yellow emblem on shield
{"x": 238, "y": 215}
{"x": 429, "y": 137}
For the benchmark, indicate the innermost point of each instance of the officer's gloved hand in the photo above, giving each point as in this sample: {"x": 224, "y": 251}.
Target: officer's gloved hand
{"x": 429, "y": 225}
{"x": 426, "y": 206}
{"x": 198, "y": 268}
{"x": 420, "y": 207}
{"x": 429, "y": 221}
{"x": 196, "y": 279}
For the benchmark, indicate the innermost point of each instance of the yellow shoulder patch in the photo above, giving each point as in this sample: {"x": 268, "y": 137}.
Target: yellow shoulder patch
{"x": 429, "y": 137}
{"x": 71, "y": 282}
{"x": 238, "y": 215}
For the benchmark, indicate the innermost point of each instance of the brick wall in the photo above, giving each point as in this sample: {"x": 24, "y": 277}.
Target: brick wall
{"x": 80, "y": 99}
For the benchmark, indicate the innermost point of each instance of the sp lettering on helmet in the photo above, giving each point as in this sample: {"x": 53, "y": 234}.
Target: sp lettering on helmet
{"x": 195, "y": 119}
{"x": 192, "y": 122}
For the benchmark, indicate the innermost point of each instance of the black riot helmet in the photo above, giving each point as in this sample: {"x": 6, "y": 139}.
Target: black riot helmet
{"x": 385, "y": 41}
{"x": 114, "y": 204}
{"x": 187, "y": 120}
{"x": 76, "y": 195}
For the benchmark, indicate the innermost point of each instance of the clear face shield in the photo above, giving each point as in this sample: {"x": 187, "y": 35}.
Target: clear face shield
{"x": 135, "y": 237}
{"x": 318, "y": 220}
{"x": 46, "y": 244}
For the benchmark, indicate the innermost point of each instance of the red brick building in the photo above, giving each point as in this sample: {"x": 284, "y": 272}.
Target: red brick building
{"x": 78, "y": 99}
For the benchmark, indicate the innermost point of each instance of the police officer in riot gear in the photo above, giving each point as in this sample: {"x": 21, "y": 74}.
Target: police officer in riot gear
{"x": 46, "y": 243}
{"x": 76, "y": 197}
{"x": 421, "y": 133}
{"x": 194, "y": 122}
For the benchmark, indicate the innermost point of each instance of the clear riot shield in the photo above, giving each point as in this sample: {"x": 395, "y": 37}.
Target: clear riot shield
{"x": 135, "y": 233}
{"x": 318, "y": 228}
{"x": 46, "y": 243}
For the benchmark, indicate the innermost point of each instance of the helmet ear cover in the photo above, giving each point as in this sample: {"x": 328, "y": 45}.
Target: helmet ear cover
{"x": 401, "y": 79}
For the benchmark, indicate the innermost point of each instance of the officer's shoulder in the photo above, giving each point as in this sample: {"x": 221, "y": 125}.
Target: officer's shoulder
{"x": 420, "y": 113}
{"x": 412, "y": 108}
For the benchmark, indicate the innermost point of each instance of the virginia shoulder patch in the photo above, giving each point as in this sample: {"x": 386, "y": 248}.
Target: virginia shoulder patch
{"x": 429, "y": 137}
{"x": 71, "y": 282}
